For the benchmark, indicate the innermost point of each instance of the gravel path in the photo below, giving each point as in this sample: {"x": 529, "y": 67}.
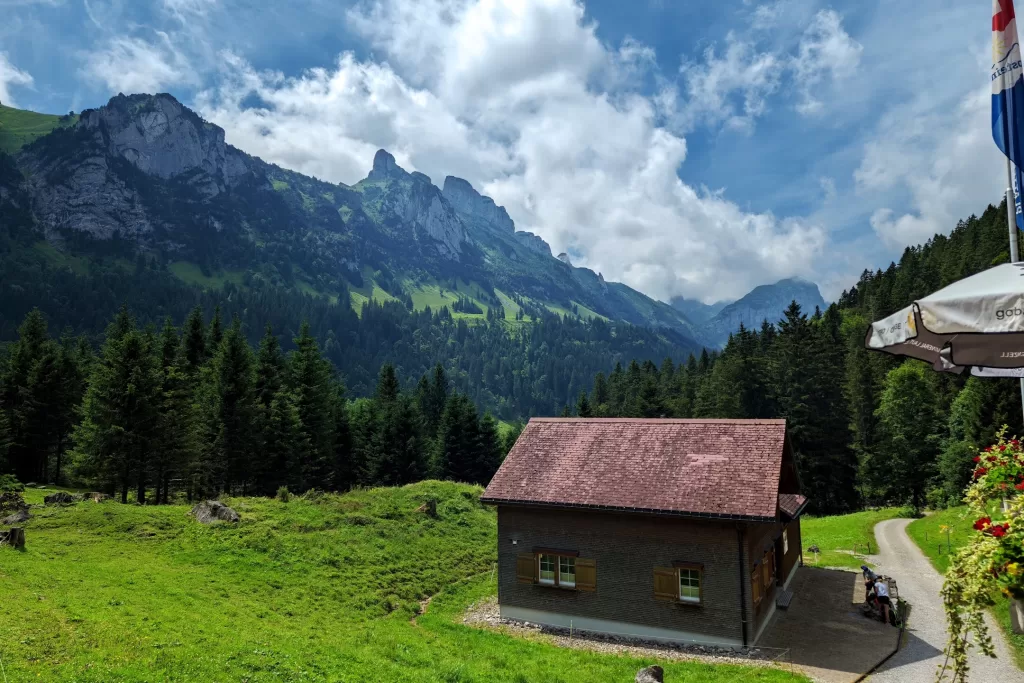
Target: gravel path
{"x": 919, "y": 584}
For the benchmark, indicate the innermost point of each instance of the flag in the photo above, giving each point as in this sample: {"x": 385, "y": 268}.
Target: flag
{"x": 1008, "y": 94}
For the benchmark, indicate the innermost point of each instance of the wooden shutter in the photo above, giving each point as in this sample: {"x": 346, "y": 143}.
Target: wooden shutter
{"x": 526, "y": 568}
{"x": 755, "y": 586}
{"x": 586, "y": 575}
{"x": 666, "y": 584}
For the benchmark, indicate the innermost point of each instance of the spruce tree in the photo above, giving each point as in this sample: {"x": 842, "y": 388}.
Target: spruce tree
{"x": 32, "y": 340}
{"x": 489, "y": 449}
{"x": 120, "y": 424}
{"x": 270, "y": 368}
{"x": 310, "y": 384}
{"x": 236, "y": 436}
{"x": 216, "y": 332}
{"x": 582, "y": 406}
{"x": 193, "y": 341}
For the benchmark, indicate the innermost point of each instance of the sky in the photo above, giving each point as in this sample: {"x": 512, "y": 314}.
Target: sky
{"x": 690, "y": 149}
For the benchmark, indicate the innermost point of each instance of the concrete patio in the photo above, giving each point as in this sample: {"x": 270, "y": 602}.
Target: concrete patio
{"x": 827, "y": 636}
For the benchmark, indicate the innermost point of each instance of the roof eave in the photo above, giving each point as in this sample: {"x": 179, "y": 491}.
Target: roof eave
{"x": 799, "y": 510}
{"x": 708, "y": 516}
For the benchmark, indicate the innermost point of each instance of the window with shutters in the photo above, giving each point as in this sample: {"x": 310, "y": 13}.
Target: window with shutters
{"x": 559, "y": 570}
{"x": 682, "y": 583}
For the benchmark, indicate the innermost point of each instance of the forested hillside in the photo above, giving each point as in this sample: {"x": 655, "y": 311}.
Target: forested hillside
{"x": 867, "y": 428}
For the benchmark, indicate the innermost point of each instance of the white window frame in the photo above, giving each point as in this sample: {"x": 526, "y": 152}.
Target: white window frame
{"x": 570, "y": 563}
{"x": 553, "y": 581}
{"x": 690, "y": 573}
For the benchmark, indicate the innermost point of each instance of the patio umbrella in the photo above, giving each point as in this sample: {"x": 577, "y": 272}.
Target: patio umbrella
{"x": 977, "y": 321}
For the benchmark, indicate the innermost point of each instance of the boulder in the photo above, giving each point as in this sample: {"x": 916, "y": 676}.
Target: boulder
{"x": 17, "y": 518}
{"x": 12, "y": 501}
{"x": 60, "y": 498}
{"x": 651, "y": 674}
{"x": 210, "y": 511}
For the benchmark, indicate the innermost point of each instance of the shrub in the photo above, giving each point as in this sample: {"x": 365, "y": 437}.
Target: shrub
{"x": 9, "y": 483}
{"x": 283, "y": 495}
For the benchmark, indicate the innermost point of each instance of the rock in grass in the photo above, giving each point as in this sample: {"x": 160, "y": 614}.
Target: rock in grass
{"x": 17, "y": 518}
{"x": 94, "y": 497}
{"x": 651, "y": 674}
{"x": 210, "y": 511}
{"x": 12, "y": 501}
{"x": 60, "y": 498}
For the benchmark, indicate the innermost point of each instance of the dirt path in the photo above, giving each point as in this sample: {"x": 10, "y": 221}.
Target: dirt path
{"x": 919, "y": 584}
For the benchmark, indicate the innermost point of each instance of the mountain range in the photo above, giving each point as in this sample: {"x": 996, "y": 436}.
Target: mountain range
{"x": 146, "y": 170}
{"x": 715, "y": 322}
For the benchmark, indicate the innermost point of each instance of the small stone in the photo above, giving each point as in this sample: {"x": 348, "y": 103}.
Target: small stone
{"x": 60, "y": 498}
{"x": 17, "y": 518}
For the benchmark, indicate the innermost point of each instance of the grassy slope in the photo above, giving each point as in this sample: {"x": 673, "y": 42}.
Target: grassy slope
{"x": 841, "y": 536}
{"x": 299, "y": 591}
{"x": 932, "y": 540}
{"x": 191, "y": 273}
{"x": 19, "y": 127}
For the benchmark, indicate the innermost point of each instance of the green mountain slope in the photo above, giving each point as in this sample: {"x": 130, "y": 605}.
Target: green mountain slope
{"x": 19, "y": 127}
{"x": 148, "y": 171}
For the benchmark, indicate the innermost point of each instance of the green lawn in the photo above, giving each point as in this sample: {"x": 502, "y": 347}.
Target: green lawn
{"x": 843, "y": 539}
{"x": 309, "y": 590}
{"x": 18, "y": 127}
{"x": 932, "y": 539}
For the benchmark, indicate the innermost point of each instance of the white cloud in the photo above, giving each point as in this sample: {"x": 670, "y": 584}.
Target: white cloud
{"x": 183, "y": 10}
{"x": 826, "y": 50}
{"x": 732, "y": 88}
{"x": 11, "y": 75}
{"x": 553, "y": 134}
{"x": 946, "y": 162}
{"x": 134, "y": 65}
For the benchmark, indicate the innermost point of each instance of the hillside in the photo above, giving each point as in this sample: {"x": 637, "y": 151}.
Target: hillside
{"x": 148, "y": 173}
{"x": 19, "y": 127}
{"x": 315, "y": 589}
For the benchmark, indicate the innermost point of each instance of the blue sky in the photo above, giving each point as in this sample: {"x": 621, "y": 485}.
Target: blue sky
{"x": 685, "y": 148}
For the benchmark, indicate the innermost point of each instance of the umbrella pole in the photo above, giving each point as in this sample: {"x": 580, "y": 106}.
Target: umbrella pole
{"x": 1011, "y": 220}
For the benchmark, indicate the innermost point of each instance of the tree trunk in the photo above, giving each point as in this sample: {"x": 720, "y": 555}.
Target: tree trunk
{"x": 60, "y": 454}
{"x": 140, "y": 494}
{"x": 124, "y": 491}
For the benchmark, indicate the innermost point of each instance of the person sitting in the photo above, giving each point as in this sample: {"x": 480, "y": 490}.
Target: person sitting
{"x": 882, "y": 596}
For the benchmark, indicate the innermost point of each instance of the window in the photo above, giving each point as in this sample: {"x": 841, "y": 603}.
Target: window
{"x": 785, "y": 541}
{"x": 556, "y": 568}
{"x": 689, "y": 585}
{"x": 547, "y": 570}
{"x": 680, "y": 584}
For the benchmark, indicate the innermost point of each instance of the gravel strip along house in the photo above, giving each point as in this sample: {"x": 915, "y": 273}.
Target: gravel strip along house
{"x": 674, "y": 530}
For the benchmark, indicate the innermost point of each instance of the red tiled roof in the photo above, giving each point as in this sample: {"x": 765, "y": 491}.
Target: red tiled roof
{"x": 722, "y": 468}
{"x": 790, "y": 503}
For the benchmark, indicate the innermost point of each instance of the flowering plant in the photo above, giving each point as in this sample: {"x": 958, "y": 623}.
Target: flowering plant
{"x": 994, "y": 556}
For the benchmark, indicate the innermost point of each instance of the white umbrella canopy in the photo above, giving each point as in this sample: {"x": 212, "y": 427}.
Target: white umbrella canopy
{"x": 977, "y": 321}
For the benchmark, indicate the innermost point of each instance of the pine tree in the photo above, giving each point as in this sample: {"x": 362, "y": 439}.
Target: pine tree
{"x": 583, "y": 406}
{"x": 387, "y": 385}
{"x": 270, "y": 368}
{"x": 120, "y": 425}
{"x": 193, "y": 341}
{"x": 32, "y": 340}
{"x": 490, "y": 453}
{"x": 310, "y": 383}
{"x": 282, "y": 436}
{"x": 237, "y": 438}
{"x": 216, "y": 332}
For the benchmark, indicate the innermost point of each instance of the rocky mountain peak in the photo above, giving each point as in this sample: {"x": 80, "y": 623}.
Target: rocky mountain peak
{"x": 385, "y": 166}
{"x": 467, "y": 200}
{"x": 161, "y": 137}
{"x": 564, "y": 258}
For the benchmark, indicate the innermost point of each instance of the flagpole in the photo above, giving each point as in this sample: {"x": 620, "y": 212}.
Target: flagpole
{"x": 1011, "y": 223}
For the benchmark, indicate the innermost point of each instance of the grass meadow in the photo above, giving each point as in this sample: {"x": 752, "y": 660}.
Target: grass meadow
{"x": 319, "y": 588}
{"x": 843, "y": 539}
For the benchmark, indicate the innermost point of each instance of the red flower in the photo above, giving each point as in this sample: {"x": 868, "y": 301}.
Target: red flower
{"x": 982, "y": 523}
{"x": 1020, "y": 486}
{"x": 1002, "y": 487}
{"x": 1015, "y": 442}
{"x": 991, "y": 458}
{"x": 977, "y": 458}
{"x": 999, "y": 530}
{"x": 980, "y": 472}
{"x": 1002, "y": 448}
